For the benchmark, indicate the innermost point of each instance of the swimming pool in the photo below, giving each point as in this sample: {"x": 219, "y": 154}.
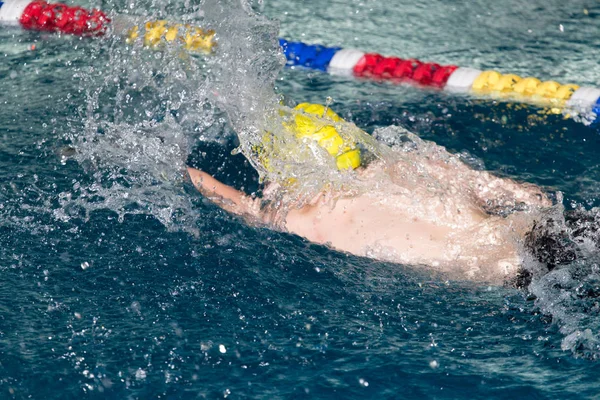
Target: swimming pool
{"x": 119, "y": 281}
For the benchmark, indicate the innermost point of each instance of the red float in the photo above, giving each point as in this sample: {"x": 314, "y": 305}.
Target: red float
{"x": 58, "y": 17}
{"x": 428, "y": 74}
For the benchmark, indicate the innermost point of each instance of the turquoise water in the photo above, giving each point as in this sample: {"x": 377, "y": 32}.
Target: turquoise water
{"x": 120, "y": 281}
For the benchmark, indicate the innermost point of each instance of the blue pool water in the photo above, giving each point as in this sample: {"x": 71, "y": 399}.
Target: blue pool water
{"x": 118, "y": 280}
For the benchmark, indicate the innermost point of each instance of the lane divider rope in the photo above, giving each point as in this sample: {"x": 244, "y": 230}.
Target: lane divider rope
{"x": 565, "y": 98}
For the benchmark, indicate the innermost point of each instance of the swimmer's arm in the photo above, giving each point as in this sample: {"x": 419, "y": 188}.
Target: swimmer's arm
{"x": 490, "y": 188}
{"x": 226, "y": 197}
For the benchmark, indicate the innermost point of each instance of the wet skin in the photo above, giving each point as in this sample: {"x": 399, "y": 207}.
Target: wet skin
{"x": 435, "y": 212}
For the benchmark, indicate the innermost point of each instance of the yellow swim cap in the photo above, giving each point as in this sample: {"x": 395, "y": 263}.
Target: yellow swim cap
{"x": 310, "y": 122}
{"x": 305, "y": 126}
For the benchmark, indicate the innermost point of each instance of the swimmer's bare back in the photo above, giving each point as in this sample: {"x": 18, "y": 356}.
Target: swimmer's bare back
{"x": 452, "y": 233}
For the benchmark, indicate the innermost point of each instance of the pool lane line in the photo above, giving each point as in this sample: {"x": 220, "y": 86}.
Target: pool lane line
{"x": 560, "y": 98}
{"x": 450, "y": 78}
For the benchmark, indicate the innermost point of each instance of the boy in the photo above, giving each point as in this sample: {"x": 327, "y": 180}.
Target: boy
{"x": 425, "y": 208}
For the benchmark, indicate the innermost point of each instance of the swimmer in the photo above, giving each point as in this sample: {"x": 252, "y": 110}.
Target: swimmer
{"x": 431, "y": 210}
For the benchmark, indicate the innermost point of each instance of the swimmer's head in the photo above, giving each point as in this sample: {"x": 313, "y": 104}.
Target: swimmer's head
{"x": 306, "y": 126}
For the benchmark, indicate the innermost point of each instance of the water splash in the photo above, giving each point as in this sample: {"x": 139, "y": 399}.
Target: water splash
{"x": 570, "y": 292}
{"x": 146, "y": 110}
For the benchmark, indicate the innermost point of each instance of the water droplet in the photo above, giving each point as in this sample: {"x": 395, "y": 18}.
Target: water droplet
{"x": 328, "y": 102}
{"x": 140, "y": 374}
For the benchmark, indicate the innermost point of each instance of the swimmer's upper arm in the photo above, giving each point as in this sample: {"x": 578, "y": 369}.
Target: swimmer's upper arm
{"x": 226, "y": 197}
